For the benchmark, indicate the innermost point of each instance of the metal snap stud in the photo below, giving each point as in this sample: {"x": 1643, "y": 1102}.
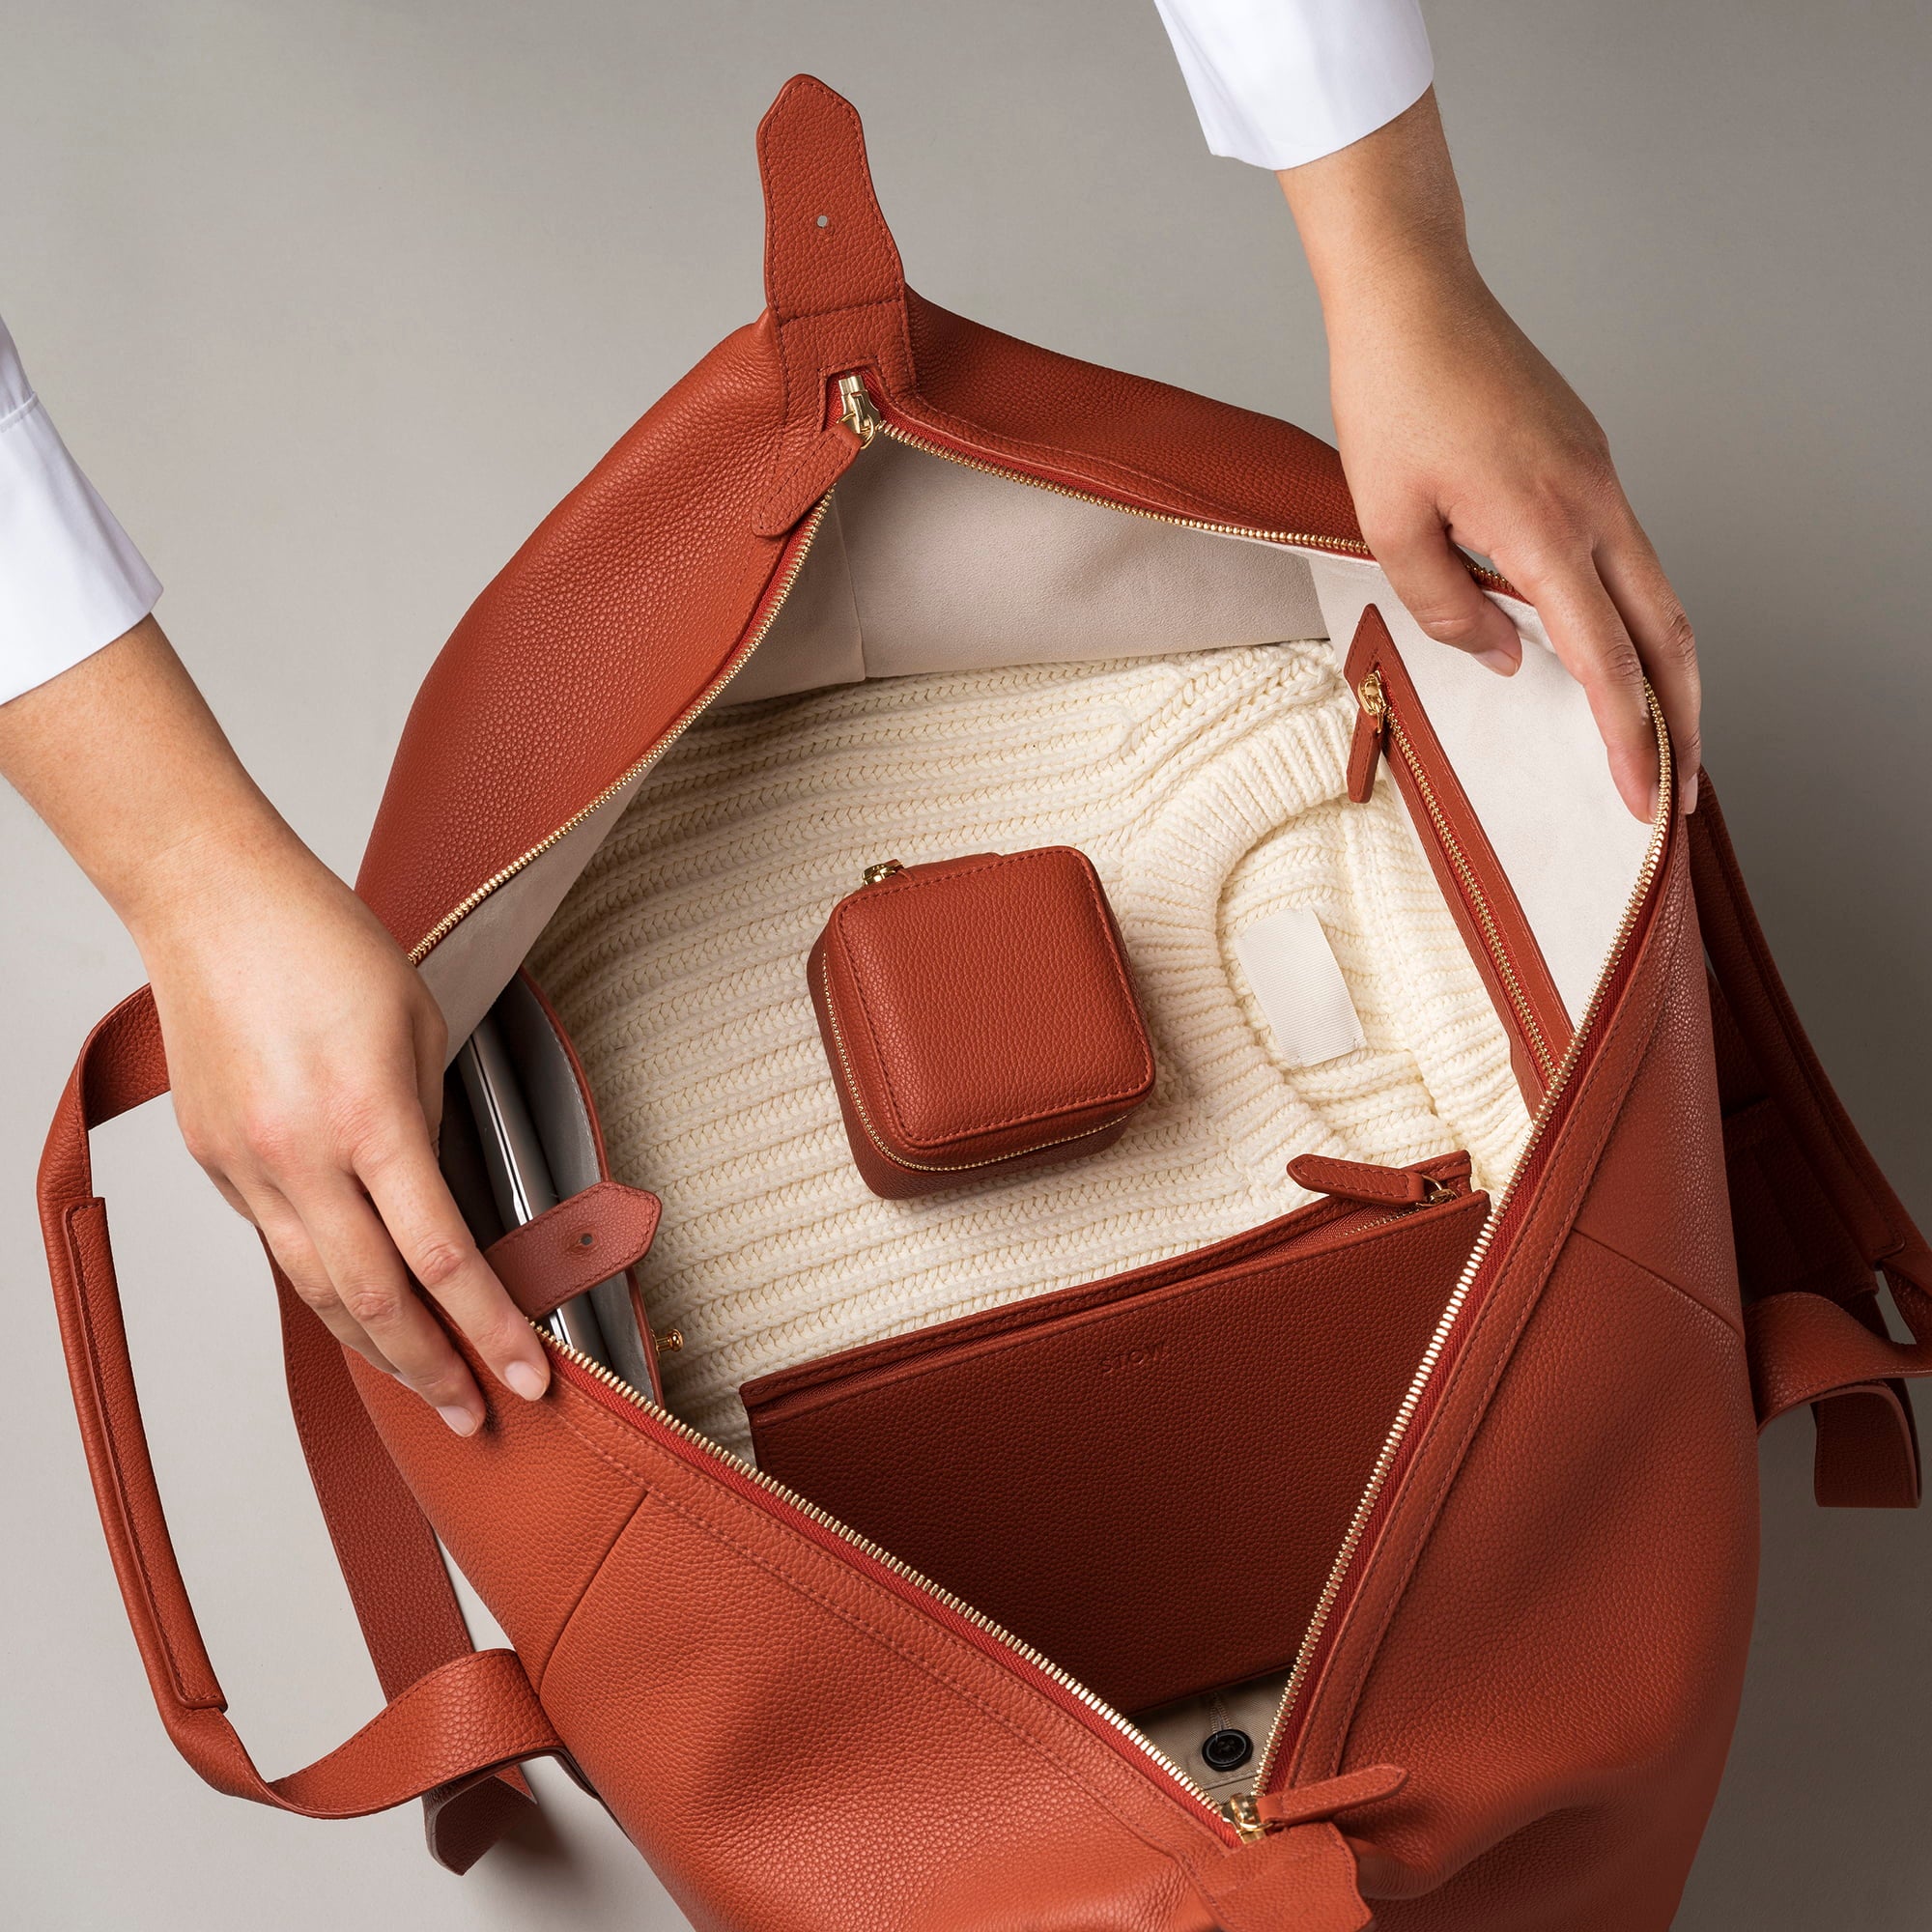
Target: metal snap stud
{"x": 1227, "y": 1749}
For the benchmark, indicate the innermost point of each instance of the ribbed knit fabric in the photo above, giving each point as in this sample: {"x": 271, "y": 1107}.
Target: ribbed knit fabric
{"x": 1208, "y": 789}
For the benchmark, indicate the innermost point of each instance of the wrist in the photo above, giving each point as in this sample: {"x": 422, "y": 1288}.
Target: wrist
{"x": 195, "y": 882}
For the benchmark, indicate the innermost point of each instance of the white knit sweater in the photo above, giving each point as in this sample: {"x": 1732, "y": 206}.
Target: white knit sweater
{"x": 1208, "y": 790}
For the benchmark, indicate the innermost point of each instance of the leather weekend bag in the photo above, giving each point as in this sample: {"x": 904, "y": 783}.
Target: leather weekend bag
{"x": 1508, "y": 1703}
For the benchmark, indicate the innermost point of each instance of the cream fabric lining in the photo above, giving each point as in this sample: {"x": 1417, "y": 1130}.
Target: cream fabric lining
{"x": 1208, "y": 789}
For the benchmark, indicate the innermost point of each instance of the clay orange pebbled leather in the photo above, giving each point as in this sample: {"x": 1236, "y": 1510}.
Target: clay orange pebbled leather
{"x": 1089, "y": 1466}
{"x": 977, "y": 1017}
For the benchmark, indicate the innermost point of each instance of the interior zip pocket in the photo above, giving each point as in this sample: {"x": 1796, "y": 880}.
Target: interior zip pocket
{"x": 1391, "y": 726}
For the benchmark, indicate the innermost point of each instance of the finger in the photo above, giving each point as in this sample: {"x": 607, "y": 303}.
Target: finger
{"x": 296, "y": 1255}
{"x": 369, "y": 1279}
{"x": 1589, "y": 638}
{"x": 1431, "y": 576}
{"x": 430, "y": 1235}
{"x": 1664, "y": 638}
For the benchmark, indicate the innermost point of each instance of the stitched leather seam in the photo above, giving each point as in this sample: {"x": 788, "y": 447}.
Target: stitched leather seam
{"x": 864, "y": 1627}
{"x": 1100, "y": 905}
{"x": 597, "y": 1449}
{"x": 617, "y": 1535}
{"x": 1676, "y": 1288}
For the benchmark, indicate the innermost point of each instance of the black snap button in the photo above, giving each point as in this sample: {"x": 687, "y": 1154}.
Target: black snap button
{"x": 1228, "y": 1749}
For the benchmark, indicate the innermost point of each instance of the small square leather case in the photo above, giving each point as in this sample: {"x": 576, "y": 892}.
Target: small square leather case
{"x": 979, "y": 1017}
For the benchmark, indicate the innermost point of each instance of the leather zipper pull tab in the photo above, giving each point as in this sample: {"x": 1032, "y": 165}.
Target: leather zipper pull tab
{"x": 1365, "y": 751}
{"x": 1363, "y": 1181}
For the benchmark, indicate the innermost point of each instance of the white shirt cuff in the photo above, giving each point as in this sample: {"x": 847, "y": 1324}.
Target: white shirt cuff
{"x": 1281, "y": 82}
{"x": 71, "y": 581}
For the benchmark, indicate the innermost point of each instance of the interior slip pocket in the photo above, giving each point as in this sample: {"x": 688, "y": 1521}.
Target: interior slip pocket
{"x": 1146, "y": 1478}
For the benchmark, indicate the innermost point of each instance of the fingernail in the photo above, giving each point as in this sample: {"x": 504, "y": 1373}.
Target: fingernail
{"x": 525, "y": 1381}
{"x": 1690, "y": 794}
{"x": 1503, "y": 662}
{"x": 459, "y": 1419}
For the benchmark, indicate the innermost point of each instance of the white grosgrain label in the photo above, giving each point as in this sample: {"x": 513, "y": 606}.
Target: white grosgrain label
{"x": 1300, "y": 988}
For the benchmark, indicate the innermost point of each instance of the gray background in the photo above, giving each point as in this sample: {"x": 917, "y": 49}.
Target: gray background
{"x": 335, "y": 301}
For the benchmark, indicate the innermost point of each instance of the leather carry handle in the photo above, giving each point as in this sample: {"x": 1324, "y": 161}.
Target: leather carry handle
{"x": 451, "y": 1736}
{"x": 1799, "y": 1170}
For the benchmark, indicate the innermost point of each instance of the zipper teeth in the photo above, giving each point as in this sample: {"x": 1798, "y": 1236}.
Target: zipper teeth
{"x": 1472, "y": 889}
{"x": 1391, "y": 1447}
{"x": 457, "y": 914}
{"x": 1157, "y": 1758}
{"x": 1300, "y": 538}
{"x": 1418, "y": 1387}
{"x": 925, "y": 1166}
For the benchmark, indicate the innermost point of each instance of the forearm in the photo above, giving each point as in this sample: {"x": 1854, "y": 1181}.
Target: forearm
{"x": 124, "y": 760}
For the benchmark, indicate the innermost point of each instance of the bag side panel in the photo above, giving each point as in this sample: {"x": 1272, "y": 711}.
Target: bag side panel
{"x": 1561, "y": 1666}
{"x": 589, "y": 643}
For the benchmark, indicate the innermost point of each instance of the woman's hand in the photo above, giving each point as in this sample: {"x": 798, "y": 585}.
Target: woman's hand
{"x": 304, "y": 1052}
{"x": 1454, "y": 430}
{"x": 307, "y": 1058}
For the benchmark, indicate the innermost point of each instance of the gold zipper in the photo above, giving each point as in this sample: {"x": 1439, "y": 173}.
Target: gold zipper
{"x": 862, "y": 415}
{"x": 924, "y": 1166}
{"x": 455, "y": 917}
{"x": 1145, "y": 1746}
{"x": 1375, "y": 701}
{"x": 870, "y": 416}
{"x": 1351, "y": 1542}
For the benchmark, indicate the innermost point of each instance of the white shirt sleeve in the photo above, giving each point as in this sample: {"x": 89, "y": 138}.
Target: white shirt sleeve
{"x": 70, "y": 579}
{"x": 1280, "y": 82}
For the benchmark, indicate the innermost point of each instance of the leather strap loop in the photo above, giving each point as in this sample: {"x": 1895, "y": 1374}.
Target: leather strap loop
{"x": 827, "y": 246}
{"x": 834, "y": 291}
{"x": 1816, "y": 1221}
{"x": 1804, "y": 1349}
{"x": 566, "y": 1251}
{"x": 455, "y": 1715}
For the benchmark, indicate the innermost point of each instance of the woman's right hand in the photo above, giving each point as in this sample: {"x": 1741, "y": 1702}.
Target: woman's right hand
{"x": 304, "y": 1051}
{"x": 306, "y": 1059}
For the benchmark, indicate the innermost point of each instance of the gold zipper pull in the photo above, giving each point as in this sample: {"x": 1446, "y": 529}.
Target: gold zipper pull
{"x": 884, "y": 869}
{"x": 856, "y": 408}
{"x": 1240, "y": 1812}
{"x": 1371, "y": 735}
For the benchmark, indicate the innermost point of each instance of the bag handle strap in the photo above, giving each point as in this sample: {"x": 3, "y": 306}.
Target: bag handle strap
{"x": 1815, "y": 1219}
{"x": 457, "y": 1719}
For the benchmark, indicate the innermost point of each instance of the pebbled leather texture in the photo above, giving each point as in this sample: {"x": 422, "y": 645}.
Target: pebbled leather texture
{"x": 567, "y": 1250}
{"x": 1092, "y": 1470}
{"x": 1546, "y": 1620}
{"x": 976, "y": 1013}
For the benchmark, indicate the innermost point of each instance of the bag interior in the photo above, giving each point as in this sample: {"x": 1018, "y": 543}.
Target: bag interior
{"x": 968, "y": 663}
